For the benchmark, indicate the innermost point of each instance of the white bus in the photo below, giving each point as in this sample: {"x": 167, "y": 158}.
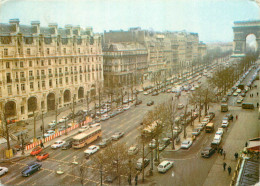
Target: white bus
{"x": 86, "y": 137}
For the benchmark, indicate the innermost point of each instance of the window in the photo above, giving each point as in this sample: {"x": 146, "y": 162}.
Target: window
{"x": 91, "y": 50}
{"x": 66, "y": 69}
{"x": 49, "y": 62}
{"x": 60, "y": 70}
{"x": 80, "y": 59}
{"x": 49, "y": 70}
{"x": 42, "y": 63}
{"x": 60, "y": 81}
{"x": 6, "y": 52}
{"x": 23, "y": 87}
{"x": 48, "y": 51}
{"x": 37, "y": 62}
{"x": 59, "y": 61}
{"x": 50, "y": 83}
{"x": 8, "y": 77}
{"x": 30, "y": 73}
{"x": 66, "y": 61}
{"x": 28, "y": 51}
{"x": 67, "y": 80}
{"x": 22, "y": 109}
{"x": 71, "y": 79}
{"x": 43, "y": 84}
{"x": 76, "y": 78}
{"x": 30, "y": 63}
{"x": 22, "y": 74}
{"x": 38, "y": 72}
{"x": 42, "y": 72}
{"x": 64, "y": 50}
{"x": 75, "y": 68}
{"x": 80, "y": 77}
{"x": 39, "y": 86}
{"x": 31, "y": 85}
{"x": 0, "y": 91}
{"x": 88, "y": 59}
{"x": 21, "y": 64}
{"x": 17, "y": 88}
{"x": 78, "y": 50}
{"x": 56, "y": 82}
{"x": 7, "y": 64}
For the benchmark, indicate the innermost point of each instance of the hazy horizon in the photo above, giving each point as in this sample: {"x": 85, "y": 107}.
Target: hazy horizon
{"x": 211, "y": 19}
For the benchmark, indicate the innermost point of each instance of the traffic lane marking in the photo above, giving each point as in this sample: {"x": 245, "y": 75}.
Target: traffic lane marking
{"x": 30, "y": 178}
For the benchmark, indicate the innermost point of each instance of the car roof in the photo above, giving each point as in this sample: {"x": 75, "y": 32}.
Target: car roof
{"x": 164, "y": 162}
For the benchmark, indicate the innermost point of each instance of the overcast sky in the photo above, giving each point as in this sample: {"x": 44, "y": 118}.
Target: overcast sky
{"x": 212, "y": 19}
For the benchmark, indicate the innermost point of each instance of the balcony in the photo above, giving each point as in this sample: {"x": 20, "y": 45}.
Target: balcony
{"x": 56, "y": 74}
{"x": 23, "y": 79}
{"x": 31, "y": 78}
{"x": 60, "y": 74}
{"x": 16, "y": 80}
{"x": 38, "y": 77}
{"x": 66, "y": 73}
{"x": 8, "y": 81}
{"x": 80, "y": 71}
{"x": 43, "y": 76}
{"x": 76, "y": 72}
{"x": 50, "y": 75}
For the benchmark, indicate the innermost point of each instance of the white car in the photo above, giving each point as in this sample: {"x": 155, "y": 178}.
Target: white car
{"x": 164, "y": 166}
{"x": 238, "y": 90}
{"x": 49, "y": 133}
{"x": 91, "y": 149}
{"x": 104, "y": 117}
{"x": 216, "y": 140}
{"x": 220, "y": 130}
{"x": 83, "y": 128}
{"x": 133, "y": 150}
{"x": 235, "y": 94}
{"x": 146, "y": 93}
{"x": 205, "y": 121}
{"x": 220, "y": 133}
{"x": 224, "y": 123}
{"x": 126, "y": 107}
{"x": 63, "y": 119}
{"x": 3, "y": 170}
{"x": 180, "y": 106}
{"x": 58, "y": 144}
{"x": 186, "y": 144}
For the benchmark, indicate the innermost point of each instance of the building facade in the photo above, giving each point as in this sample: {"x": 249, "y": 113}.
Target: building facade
{"x": 44, "y": 68}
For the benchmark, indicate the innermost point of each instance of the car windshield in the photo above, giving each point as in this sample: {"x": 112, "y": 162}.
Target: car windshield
{"x": 185, "y": 142}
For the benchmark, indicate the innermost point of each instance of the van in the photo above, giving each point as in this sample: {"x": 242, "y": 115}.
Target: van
{"x": 247, "y": 105}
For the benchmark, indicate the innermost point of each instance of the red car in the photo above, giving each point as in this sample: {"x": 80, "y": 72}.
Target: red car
{"x": 36, "y": 151}
{"x": 43, "y": 156}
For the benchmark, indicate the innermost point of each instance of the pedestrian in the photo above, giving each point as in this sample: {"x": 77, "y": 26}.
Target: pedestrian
{"x": 257, "y": 104}
{"x": 246, "y": 144}
{"x": 224, "y": 155}
{"x": 136, "y": 179}
{"x": 252, "y": 95}
{"x": 229, "y": 170}
{"x": 221, "y": 151}
{"x": 236, "y": 155}
{"x": 42, "y": 146}
{"x": 257, "y": 93}
{"x": 236, "y": 117}
{"x": 41, "y": 128}
{"x": 224, "y": 166}
{"x": 232, "y": 118}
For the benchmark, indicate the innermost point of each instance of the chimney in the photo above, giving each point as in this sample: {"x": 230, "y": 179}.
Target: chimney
{"x": 77, "y": 29}
{"x": 16, "y": 23}
{"x": 69, "y": 27}
{"x": 36, "y": 26}
{"x": 55, "y": 26}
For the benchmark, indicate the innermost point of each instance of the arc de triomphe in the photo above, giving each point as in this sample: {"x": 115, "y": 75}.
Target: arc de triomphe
{"x": 241, "y": 30}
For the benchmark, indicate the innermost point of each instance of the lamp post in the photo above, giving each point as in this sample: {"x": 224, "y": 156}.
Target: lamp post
{"x": 42, "y": 126}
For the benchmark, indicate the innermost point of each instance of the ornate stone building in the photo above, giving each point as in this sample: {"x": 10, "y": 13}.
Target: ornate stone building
{"x": 46, "y": 67}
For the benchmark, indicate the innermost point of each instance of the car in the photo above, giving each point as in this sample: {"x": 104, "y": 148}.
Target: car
{"x": 161, "y": 146}
{"x": 139, "y": 164}
{"x": 195, "y": 132}
{"x": 49, "y": 133}
{"x": 164, "y": 166}
{"x": 133, "y": 150}
{"x": 58, "y": 144}
{"x": 62, "y": 128}
{"x": 31, "y": 168}
{"x": 3, "y": 170}
{"x": 83, "y": 128}
{"x": 104, "y": 117}
{"x": 201, "y": 126}
{"x": 156, "y": 93}
{"x": 152, "y": 144}
{"x": 67, "y": 144}
{"x": 177, "y": 130}
{"x": 243, "y": 94}
{"x": 180, "y": 106}
{"x": 91, "y": 149}
{"x": 216, "y": 140}
{"x": 224, "y": 100}
{"x": 239, "y": 90}
{"x": 117, "y": 135}
{"x": 79, "y": 113}
{"x": 186, "y": 144}
{"x": 110, "y": 178}
{"x": 235, "y": 94}
{"x": 239, "y": 100}
{"x": 126, "y": 107}
{"x": 52, "y": 124}
{"x": 166, "y": 141}
{"x": 105, "y": 142}
{"x": 36, "y": 151}
{"x": 43, "y": 156}
{"x": 209, "y": 117}
{"x": 207, "y": 152}
{"x": 146, "y": 93}
{"x": 229, "y": 93}
{"x": 219, "y": 132}
{"x": 229, "y": 116}
{"x": 63, "y": 119}
{"x": 205, "y": 121}
{"x": 150, "y": 103}
{"x": 224, "y": 123}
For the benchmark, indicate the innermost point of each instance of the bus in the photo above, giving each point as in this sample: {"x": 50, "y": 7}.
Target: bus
{"x": 247, "y": 105}
{"x": 87, "y": 137}
{"x": 209, "y": 127}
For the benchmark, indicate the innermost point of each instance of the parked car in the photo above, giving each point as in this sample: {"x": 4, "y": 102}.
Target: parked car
{"x": 138, "y": 102}
{"x": 63, "y": 119}
{"x": 36, "y": 151}
{"x": 155, "y": 93}
{"x": 31, "y": 168}
{"x": 49, "y": 133}
{"x": 216, "y": 140}
{"x": 165, "y": 141}
{"x": 133, "y": 150}
{"x": 229, "y": 116}
{"x": 150, "y": 103}
{"x": 83, "y": 128}
{"x": 195, "y": 132}
{"x": 105, "y": 142}
{"x": 139, "y": 164}
{"x": 104, "y": 117}
{"x": 67, "y": 144}
{"x": 235, "y": 94}
{"x": 207, "y": 152}
{"x": 58, "y": 144}
{"x": 118, "y": 135}
{"x": 126, "y": 107}
{"x": 43, "y": 156}
{"x": 224, "y": 123}
{"x": 180, "y": 106}
{"x": 152, "y": 144}
{"x": 110, "y": 178}
{"x": 201, "y": 126}
{"x": 164, "y": 166}
{"x": 186, "y": 144}
{"x": 3, "y": 170}
{"x": 91, "y": 149}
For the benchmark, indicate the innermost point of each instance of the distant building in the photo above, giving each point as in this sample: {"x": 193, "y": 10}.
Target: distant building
{"x": 46, "y": 67}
